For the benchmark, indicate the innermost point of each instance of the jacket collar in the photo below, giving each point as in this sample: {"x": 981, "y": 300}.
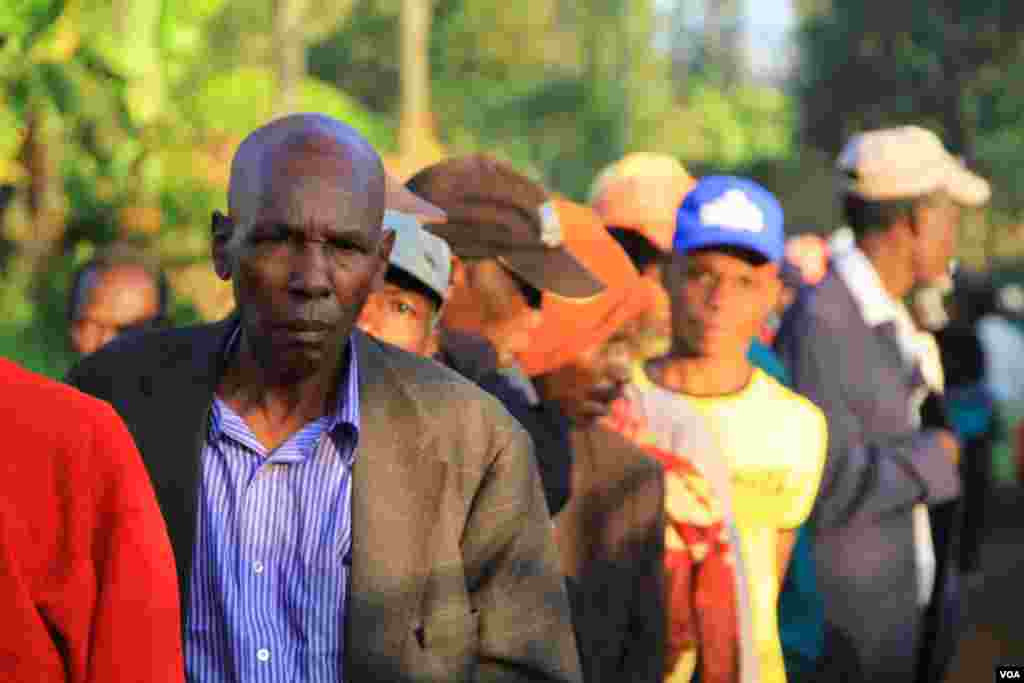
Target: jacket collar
{"x": 398, "y": 478}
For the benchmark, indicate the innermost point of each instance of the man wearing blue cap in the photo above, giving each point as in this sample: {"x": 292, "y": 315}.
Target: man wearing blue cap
{"x": 724, "y": 282}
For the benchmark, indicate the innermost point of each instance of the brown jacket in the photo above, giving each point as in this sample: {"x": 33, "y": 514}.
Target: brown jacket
{"x": 454, "y": 576}
{"x": 611, "y": 537}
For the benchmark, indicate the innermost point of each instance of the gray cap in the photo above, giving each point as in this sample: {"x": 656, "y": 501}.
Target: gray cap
{"x": 422, "y": 255}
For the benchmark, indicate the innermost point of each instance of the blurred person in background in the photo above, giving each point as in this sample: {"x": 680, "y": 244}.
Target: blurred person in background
{"x": 724, "y": 286}
{"x": 1002, "y": 339}
{"x": 852, "y": 348}
{"x": 507, "y": 241}
{"x": 120, "y": 290}
{"x": 406, "y": 311}
{"x": 611, "y": 532}
{"x": 88, "y": 589}
{"x": 637, "y": 198}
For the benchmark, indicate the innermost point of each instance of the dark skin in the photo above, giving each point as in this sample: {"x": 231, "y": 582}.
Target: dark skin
{"x": 123, "y": 296}
{"x": 304, "y": 248}
{"x": 586, "y": 388}
{"x": 720, "y": 299}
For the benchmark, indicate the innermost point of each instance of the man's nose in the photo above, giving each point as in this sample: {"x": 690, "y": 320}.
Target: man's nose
{"x": 310, "y": 272}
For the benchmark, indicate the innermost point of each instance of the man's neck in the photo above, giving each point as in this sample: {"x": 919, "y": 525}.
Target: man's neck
{"x": 701, "y": 377}
{"x": 895, "y": 276}
{"x": 273, "y": 406}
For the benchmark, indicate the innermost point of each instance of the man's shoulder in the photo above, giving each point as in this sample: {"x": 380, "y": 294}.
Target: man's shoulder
{"x": 789, "y": 411}
{"x": 440, "y": 389}
{"x": 621, "y": 457}
{"x": 829, "y": 302}
{"x": 661, "y": 408}
{"x": 126, "y": 352}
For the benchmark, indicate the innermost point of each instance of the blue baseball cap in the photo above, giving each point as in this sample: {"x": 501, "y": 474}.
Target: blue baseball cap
{"x": 726, "y": 211}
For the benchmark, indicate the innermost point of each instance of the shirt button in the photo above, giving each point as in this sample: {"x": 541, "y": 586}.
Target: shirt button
{"x": 257, "y": 567}
{"x": 263, "y": 654}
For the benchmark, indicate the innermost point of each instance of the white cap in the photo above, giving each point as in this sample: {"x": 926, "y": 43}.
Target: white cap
{"x": 424, "y": 256}
{"x": 907, "y": 162}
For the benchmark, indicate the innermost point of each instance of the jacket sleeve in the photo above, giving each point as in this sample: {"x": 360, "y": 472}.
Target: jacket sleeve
{"x": 549, "y": 432}
{"x": 513, "y": 571}
{"x": 861, "y": 477}
{"x": 136, "y": 632}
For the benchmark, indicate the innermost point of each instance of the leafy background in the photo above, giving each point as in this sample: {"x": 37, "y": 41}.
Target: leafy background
{"x": 118, "y": 117}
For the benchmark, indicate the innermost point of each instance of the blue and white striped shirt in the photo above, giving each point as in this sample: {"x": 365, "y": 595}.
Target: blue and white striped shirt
{"x": 271, "y": 554}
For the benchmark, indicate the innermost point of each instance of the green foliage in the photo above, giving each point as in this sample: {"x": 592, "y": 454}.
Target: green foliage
{"x": 242, "y": 100}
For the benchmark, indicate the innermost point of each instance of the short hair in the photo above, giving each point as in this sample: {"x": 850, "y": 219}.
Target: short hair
{"x": 866, "y": 216}
{"x": 114, "y": 256}
{"x": 641, "y": 251}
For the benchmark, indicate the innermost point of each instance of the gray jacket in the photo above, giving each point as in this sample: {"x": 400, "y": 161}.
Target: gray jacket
{"x": 878, "y": 467}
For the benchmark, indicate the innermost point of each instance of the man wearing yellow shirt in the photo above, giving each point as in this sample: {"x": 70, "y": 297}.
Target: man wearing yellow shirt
{"x": 724, "y": 280}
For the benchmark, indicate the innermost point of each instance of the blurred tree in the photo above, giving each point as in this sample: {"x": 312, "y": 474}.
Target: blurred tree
{"x": 868, "y": 63}
{"x": 721, "y": 50}
{"x": 290, "y": 53}
{"x": 947, "y": 66}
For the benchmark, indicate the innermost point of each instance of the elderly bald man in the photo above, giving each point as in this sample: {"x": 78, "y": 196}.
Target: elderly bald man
{"x": 339, "y": 509}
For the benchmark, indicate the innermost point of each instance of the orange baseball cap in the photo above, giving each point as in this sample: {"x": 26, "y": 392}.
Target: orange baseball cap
{"x": 571, "y": 327}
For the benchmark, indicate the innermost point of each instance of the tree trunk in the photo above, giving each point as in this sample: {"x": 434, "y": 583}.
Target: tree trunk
{"x": 290, "y": 53}
{"x": 416, "y": 124}
{"x": 45, "y": 196}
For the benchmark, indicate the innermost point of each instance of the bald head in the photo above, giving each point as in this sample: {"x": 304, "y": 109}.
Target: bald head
{"x": 310, "y": 145}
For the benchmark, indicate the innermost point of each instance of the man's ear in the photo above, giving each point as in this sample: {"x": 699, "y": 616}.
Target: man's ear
{"x": 384, "y": 247}
{"x": 222, "y": 229}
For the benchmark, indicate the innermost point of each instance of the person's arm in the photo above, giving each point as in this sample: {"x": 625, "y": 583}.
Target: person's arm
{"x": 783, "y": 551}
{"x": 513, "y": 571}
{"x": 136, "y": 623}
{"x": 861, "y": 478}
{"x": 548, "y": 429}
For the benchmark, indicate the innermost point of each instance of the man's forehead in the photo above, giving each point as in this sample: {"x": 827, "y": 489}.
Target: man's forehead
{"x": 299, "y": 146}
{"x": 314, "y": 154}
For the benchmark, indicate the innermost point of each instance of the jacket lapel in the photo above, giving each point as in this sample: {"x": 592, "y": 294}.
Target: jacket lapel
{"x": 398, "y": 479}
{"x": 183, "y": 387}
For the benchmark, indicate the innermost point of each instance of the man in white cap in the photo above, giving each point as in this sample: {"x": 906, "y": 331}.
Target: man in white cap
{"x": 406, "y": 310}
{"x": 852, "y": 348}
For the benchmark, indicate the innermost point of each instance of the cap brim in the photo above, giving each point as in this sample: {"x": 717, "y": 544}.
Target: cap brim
{"x": 400, "y": 198}
{"x": 967, "y": 188}
{"x": 713, "y": 238}
{"x": 555, "y": 271}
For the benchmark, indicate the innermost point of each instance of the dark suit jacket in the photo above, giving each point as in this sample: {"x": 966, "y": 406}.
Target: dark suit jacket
{"x": 454, "y": 576}
{"x": 878, "y": 467}
{"x": 611, "y": 536}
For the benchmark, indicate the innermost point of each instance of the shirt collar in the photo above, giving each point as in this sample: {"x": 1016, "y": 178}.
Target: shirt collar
{"x": 878, "y": 308}
{"x": 861, "y": 278}
{"x": 346, "y": 407}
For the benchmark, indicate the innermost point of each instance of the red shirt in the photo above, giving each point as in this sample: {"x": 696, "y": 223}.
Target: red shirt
{"x": 699, "y": 560}
{"x": 88, "y": 588}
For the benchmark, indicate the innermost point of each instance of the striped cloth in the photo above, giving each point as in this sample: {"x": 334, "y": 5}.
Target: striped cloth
{"x": 271, "y": 555}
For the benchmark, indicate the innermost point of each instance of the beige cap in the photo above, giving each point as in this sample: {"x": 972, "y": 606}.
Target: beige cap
{"x": 906, "y": 162}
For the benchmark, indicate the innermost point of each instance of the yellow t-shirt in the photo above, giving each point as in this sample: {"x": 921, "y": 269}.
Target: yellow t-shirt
{"x": 774, "y": 441}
